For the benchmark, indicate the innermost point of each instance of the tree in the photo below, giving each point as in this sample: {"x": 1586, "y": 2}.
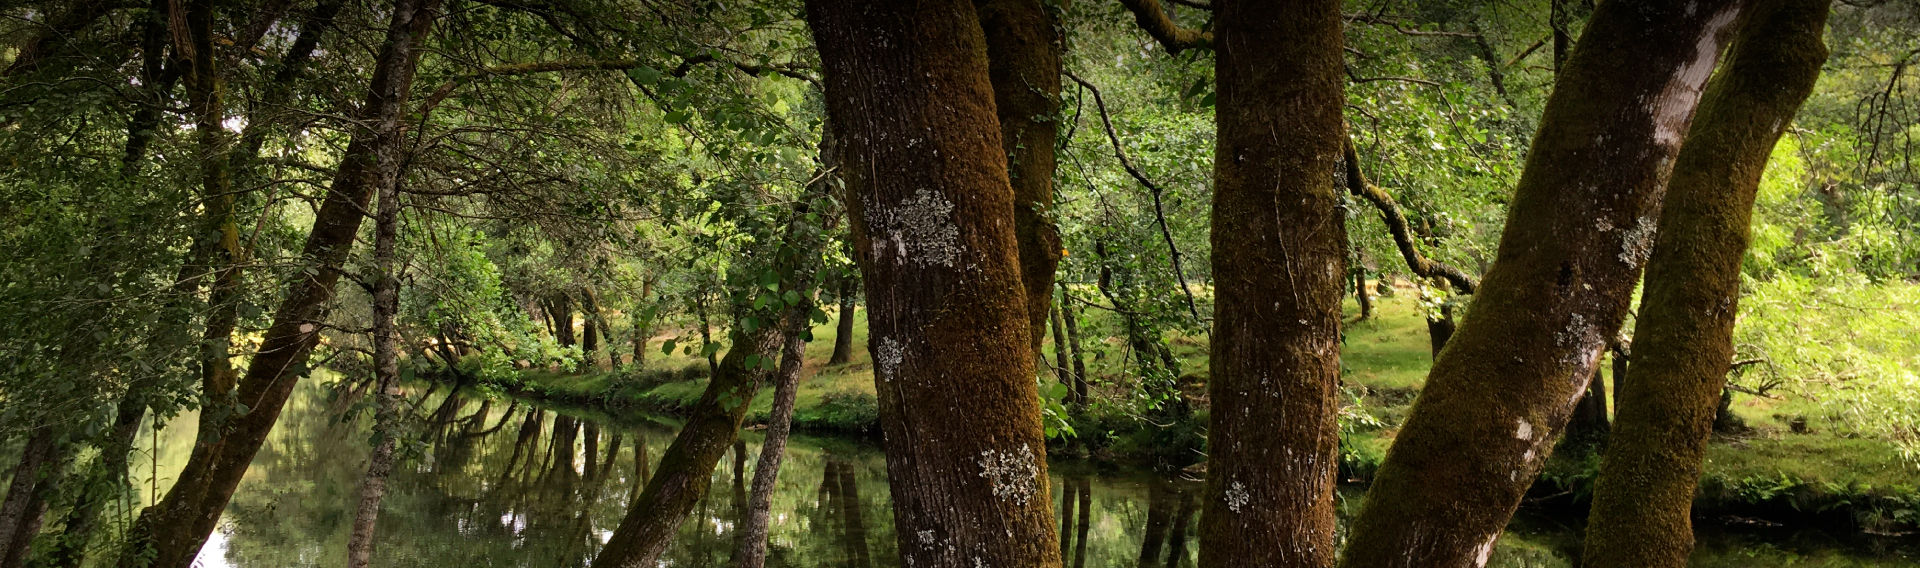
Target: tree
{"x": 907, "y": 87}
{"x": 1556, "y": 293}
{"x": 1683, "y": 345}
{"x": 170, "y": 532}
{"x": 1023, "y": 62}
{"x": 1279, "y": 267}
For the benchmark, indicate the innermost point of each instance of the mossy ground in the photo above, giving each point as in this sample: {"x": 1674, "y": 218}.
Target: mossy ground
{"x": 1385, "y": 361}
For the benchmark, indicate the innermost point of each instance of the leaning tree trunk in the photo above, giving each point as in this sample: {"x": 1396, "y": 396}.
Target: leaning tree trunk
{"x": 1684, "y": 334}
{"x": 386, "y": 369}
{"x": 170, "y": 532}
{"x": 751, "y": 549}
{"x": 1280, "y": 273}
{"x": 680, "y": 481}
{"x": 907, "y": 87}
{"x": 1023, "y": 62}
{"x": 26, "y": 501}
{"x": 1579, "y": 228}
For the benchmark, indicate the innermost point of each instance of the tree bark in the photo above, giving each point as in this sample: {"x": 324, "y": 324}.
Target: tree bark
{"x": 596, "y": 330}
{"x": 25, "y": 505}
{"x": 1060, "y": 369}
{"x": 1023, "y": 63}
{"x": 1279, "y": 251}
{"x": 752, "y": 549}
{"x": 843, "y": 330}
{"x": 1361, "y": 296}
{"x": 386, "y": 370}
{"x": 1684, "y": 333}
{"x": 175, "y": 528}
{"x": 1068, "y": 313}
{"x": 1578, "y": 230}
{"x": 907, "y": 86}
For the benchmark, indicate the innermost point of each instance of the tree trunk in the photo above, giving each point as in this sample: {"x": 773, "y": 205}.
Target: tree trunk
{"x": 1069, "y": 314}
{"x": 853, "y": 521}
{"x": 386, "y": 370}
{"x": 843, "y": 331}
{"x": 752, "y": 549}
{"x": 1177, "y": 539}
{"x": 1023, "y": 63}
{"x": 1587, "y": 427}
{"x": 680, "y": 482}
{"x": 1361, "y": 296}
{"x": 1067, "y": 492}
{"x": 1440, "y": 328}
{"x": 1280, "y": 275}
{"x": 1684, "y": 334}
{"x": 1580, "y": 226}
{"x": 907, "y": 87}
{"x": 175, "y": 528}
{"x": 560, "y": 308}
{"x": 25, "y": 504}
{"x": 1060, "y": 369}
{"x": 596, "y": 329}
{"x": 1085, "y": 492}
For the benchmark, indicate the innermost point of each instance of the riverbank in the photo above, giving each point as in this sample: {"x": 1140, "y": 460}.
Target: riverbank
{"x": 1780, "y": 470}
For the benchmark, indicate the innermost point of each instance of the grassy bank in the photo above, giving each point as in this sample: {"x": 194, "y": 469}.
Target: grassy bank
{"x": 1820, "y": 473}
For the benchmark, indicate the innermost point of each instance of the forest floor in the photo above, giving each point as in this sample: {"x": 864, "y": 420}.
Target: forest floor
{"x": 1817, "y": 474}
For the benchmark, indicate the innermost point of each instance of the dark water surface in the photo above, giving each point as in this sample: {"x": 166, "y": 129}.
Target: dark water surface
{"x": 501, "y": 483}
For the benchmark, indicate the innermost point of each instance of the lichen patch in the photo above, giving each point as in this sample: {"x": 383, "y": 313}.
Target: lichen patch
{"x": 888, "y": 357}
{"x": 1237, "y": 496}
{"x": 923, "y": 231}
{"x": 1012, "y": 474}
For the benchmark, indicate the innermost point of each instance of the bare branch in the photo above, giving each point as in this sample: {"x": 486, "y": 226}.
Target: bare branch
{"x": 1401, "y": 230}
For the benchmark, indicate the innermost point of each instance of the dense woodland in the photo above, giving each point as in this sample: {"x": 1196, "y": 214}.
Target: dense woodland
{"x": 1646, "y": 265}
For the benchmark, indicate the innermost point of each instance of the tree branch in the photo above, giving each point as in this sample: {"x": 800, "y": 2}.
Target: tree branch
{"x": 1159, "y": 212}
{"x": 1161, "y": 26}
{"x": 1401, "y": 230}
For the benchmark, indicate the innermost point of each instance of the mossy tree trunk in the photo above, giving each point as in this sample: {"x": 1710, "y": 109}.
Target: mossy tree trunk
{"x": 1279, "y": 266}
{"x": 907, "y": 86}
{"x": 1580, "y": 226}
{"x": 1684, "y": 335}
{"x": 174, "y": 529}
{"x": 1023, "y": 62}
{"x": 1070, "y": 316}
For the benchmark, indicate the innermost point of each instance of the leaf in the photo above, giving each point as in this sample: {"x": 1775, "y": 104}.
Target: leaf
{"x": 667, "y": 348}
{"x": 791, "y": 297}
{"x": 709, "y": 349}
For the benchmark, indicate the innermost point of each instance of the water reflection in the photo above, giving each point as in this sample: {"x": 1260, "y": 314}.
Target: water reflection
{"x": 507, "y": 483}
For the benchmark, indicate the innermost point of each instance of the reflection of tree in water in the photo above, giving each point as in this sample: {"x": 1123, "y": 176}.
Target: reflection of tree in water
{"x": 512, "y": 484}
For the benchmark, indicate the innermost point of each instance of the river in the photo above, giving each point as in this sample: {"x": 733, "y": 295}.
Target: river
{"x": 484, "y": 484}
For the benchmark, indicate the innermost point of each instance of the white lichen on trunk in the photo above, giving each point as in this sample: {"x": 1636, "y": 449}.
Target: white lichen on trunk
{"x": 1013, "y": 475}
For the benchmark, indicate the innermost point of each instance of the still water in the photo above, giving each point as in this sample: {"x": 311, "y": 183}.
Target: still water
{"x": 499, "y": 482}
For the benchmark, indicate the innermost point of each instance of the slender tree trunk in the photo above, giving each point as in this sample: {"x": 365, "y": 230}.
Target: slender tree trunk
{"x": 1684, "y": 334}
{"x": 1361, "y": 296}
{"x": 843, "y": 331}
{"x": 752, "y": 549}
{"x": 1579, "y": 228}
{"x": 386, "y": 370}
{"x": 175, "y": 528}
{"x": 1069, "y": 314}
{"x": 1023, "y": 63}
{"x": 1060, "y": 369}
{"x": 1440, "y": 328}
{"x": 907, "y": 87}
{"x": 1280, "y": 274}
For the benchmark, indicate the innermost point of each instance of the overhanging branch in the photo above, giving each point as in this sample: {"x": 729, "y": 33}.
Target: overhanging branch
{"x": 1401, "y": 230}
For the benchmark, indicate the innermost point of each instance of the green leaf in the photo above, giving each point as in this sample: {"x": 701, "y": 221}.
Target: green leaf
{"x": 667, "y": 348}
{"x": 791, "y": 297}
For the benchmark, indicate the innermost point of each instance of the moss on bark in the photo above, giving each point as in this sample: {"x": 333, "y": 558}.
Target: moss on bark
{"x": 1684, "y": 336}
